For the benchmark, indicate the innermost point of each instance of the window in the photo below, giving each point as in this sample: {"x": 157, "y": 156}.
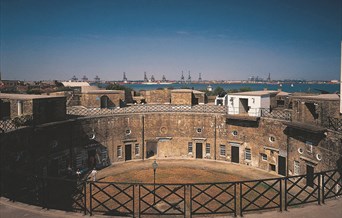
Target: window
{"x": 222, "y": 150}
{"x": 190, "y": 147}
{"x": 300, "y": 150}
{"x": 272, "y": 139}
{"x": 199, "y": 130}
{"x": 272, "y": 167}
{"x": 309, "y": 146}
{"x": 119, "y": 151}
{"x": 20, "y": 108}
{"x": 235, "y": 133}
{"x": 128, "y": 131}
{"x": 318, "y": 156}
{"x": 137, "y": 149}
{"x": 263, "y": 157}
{"x": 296, "y": 168}
{"x": 248, "y": 155}
{"x": 207, "y": 148}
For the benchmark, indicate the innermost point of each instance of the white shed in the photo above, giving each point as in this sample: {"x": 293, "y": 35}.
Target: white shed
{"x": 249, "y": 103}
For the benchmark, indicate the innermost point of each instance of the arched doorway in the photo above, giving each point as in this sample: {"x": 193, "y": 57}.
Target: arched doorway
{"x": 104, "y": 101}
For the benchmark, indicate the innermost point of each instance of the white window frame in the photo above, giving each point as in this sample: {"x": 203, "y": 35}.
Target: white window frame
{"x": 207, "y": 149}
{"x": 309, "y": 146}
{"x": 190, "y": 148}
{"x": 222, "y": 150}
{"x": 137, "y": 149}
{"x": 296, "y": 167}
{"x": 119, "y": 151}
{"x": 248, "y": 154}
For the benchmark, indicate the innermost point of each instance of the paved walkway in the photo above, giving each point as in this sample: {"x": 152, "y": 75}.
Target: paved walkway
{"x": 332, "y": 209}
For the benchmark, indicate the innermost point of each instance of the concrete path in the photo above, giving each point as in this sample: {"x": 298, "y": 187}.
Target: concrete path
{"x": 332, "y": 209}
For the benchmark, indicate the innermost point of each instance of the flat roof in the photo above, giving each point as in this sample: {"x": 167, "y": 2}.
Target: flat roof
{"x": 255, "y": 93}
{"x": 100, "y": 91}
{"x": 182, "y": 90}
{"x": 320, "y": 97}
{"x": 27, "y": 96}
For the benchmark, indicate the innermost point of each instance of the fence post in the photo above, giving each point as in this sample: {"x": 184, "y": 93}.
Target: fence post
{"x": 323, "y": 187}
{"x": 85, "y": 196}
{"x": 235, "y": 199}
{"x": 91, "y": 198}
{"x": 285, "y": 180}
{"x": 319, "y": 188}
{"x": 281, "y": 196}
{"x": 241, "y": 199}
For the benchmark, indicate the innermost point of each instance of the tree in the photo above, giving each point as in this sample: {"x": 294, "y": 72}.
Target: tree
{"x": 219, "y": 91}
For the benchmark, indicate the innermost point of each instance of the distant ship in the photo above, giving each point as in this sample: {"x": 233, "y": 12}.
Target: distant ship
{"x": 156, "y": 83}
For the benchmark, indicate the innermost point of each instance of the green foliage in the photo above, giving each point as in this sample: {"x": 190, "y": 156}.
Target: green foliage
{"x": 242, "y": 89}
{"x": 116, "y": 86}
{"x": 219, "y": 91}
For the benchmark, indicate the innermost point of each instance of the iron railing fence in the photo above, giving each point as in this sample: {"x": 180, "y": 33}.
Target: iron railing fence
{"x": 178, "y": 200}
{"x": 46, "y": 192}
{"x": 213, "y": 198}
{"x": 15, "y": 123}
{"x": 82, "y": 111}
{"x": 333, "y": 123}
{"x": 302, "y": 189}
{"x": 331, "y": 184}
{"x": 260, "y": 195}
{"x": 277, "y": 114}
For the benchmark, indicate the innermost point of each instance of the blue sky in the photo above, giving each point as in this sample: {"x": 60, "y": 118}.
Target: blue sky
{"x": 222, "y": 39}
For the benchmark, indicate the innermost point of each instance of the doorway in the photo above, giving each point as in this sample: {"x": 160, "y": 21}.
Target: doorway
{"x": 104, "y": 101}
{"x": 128, "y": 152}
{"x": 243, "y": 106}
{"x": 235, "y": 154}
{"x": 282, "y": 165}
{"x": 309, "y": 176}
{"x": 199, "y": 150}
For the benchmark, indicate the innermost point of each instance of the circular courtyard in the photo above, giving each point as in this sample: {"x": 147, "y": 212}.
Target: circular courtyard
{"x": 181, "y": 172}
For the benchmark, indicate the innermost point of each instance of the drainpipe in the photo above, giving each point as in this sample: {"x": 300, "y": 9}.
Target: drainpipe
{"x": 143, "y": 137}
{"x": 215, "y": 137}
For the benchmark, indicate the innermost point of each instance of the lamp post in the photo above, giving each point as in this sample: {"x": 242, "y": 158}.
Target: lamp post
{"x": 154, "y": 166}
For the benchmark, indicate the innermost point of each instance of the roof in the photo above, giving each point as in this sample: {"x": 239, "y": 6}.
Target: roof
{"x": 256, "y": 93}
{"x": 321, "y": 97}
{"x": 281, "y": 93}
{"x": 26, "y": 96}
{"x": 182, "y": 90}
{"x": 75, "y": 84}
{"x": 102, "y": 91}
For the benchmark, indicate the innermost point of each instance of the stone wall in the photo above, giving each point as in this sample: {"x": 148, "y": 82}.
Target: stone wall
{"x": 182, "y": 97}
{"x": 99, "y": 141}
{"x": 93, "y": 100}
{"x": 157, "y": 96}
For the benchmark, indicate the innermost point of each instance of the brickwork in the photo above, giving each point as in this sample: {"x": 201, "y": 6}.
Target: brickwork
{"x": 103, "y": 99}
{"x": 157, "y": 96}
{"x": 124, "y": 137}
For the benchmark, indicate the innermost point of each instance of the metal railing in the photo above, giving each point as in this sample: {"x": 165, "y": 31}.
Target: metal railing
{"x": 81, "y": 111}
{"x": 15, "y": 123}
{"x": 186, "y": 200}
{"x": 333, "y": 123}
{"x": 276, "y": 114}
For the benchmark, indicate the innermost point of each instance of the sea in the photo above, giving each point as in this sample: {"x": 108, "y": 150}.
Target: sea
{"x": 295, "y": 87}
